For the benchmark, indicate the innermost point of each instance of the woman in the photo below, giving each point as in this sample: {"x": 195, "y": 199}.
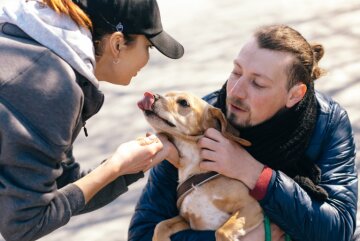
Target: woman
{"x": 49, "y": 76}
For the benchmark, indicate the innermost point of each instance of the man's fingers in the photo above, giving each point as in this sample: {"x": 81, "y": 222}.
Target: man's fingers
{"x": 210, "y": 155}
{"x": 207, "y": 143}
{"x": 213, "y": 134}
{"x": 207, "y": 165}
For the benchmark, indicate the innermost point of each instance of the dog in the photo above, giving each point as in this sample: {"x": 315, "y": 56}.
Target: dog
{"x": 213, "y": 201}
{"x": 222, "y": 204}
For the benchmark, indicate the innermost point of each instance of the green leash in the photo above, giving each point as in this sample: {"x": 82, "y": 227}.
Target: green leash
{"x": 268, "y": 230}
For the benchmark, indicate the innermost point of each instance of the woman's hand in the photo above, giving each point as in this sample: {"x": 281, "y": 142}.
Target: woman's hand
{"x": 169, "y": 152}
{"x": 130, "y": 157}
{"x": 142, "y": 154}
{"x": 135, "y": 156}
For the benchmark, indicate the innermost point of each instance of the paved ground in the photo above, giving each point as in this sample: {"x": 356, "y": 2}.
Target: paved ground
{"x": 212, "y": 32}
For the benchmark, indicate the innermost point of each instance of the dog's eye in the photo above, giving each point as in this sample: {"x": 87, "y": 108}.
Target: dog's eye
{"x": 183, "y": 103}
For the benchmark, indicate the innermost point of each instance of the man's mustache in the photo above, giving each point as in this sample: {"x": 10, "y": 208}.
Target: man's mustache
{"x": 237, "y": 103}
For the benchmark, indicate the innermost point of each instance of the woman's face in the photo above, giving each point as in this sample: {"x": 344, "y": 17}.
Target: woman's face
{"x": 121, "y": 60}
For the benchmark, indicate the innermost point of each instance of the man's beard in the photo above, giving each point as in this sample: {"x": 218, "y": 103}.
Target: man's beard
{"x": 242, "y": 124}
{"x": 232, "y": 118}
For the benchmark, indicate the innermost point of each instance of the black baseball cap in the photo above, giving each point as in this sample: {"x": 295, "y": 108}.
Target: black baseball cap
{"x": 134, "y": 17}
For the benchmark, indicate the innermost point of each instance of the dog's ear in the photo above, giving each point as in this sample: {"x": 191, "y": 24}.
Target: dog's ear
{"x": 217, "y": 120}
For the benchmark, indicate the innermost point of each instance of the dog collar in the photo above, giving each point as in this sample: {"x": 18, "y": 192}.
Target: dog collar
{"x": 194, "y": 181}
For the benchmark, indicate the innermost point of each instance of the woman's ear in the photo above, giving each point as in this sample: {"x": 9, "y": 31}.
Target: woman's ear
{"x": 296, "y": 94}
{"x": 116, "y": 43}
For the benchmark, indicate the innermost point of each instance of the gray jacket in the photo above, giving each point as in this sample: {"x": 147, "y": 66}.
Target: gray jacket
{"x": 44, "y": 104}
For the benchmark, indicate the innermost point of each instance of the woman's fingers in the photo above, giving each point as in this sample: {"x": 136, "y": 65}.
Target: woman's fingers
{"x": 168, "y": 152}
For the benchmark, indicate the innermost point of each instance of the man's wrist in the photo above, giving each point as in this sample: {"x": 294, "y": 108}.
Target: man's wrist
{"x": 252, "y": 175}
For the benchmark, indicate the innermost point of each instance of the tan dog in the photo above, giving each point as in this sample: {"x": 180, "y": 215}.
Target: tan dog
{"x": 222, "y": 204}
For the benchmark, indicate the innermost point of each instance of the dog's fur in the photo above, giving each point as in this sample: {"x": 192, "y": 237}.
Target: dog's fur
{"x": 222, "y": 204}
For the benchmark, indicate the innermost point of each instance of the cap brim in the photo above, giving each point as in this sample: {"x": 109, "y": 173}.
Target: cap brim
{"x": 167, "y": 45}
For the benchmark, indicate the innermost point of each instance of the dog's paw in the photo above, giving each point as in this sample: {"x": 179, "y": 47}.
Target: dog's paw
{"x": 220, "y": 235}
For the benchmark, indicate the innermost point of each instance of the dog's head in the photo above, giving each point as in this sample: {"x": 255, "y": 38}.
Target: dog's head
{"x": 184, "y": 115}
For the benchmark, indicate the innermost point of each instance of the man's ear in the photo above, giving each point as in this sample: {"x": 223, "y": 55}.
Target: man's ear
{"x": 218, "y": 121}
{"x": 116, "y": 43}
{"x": 296, "y": 94}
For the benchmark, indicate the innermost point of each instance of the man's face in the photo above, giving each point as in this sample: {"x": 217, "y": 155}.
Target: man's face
{"x": 257, "y": 86}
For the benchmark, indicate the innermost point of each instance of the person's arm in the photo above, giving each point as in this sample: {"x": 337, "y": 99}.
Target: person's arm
{"x": 282, "y": 199}
{"x": 39, "y": 120}
{"x": 158, "y": 203}
{"x": 130, "y": 157}
{"x": 72, "y": 172}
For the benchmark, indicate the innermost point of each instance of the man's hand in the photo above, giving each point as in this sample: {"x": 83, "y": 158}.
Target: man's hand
{"x": 228, "y": 158}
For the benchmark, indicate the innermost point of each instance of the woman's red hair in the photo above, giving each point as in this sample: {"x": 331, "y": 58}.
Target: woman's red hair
{"x": 72, "y": 10}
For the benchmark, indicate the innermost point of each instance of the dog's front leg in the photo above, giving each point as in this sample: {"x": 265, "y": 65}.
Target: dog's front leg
{"x": 166, "y": 228}
{"x": 241, "y": 222}
{"x": 232, "y": 229}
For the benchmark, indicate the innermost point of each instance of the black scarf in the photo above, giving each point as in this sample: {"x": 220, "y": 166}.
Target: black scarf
{"x": 281, "y": 141}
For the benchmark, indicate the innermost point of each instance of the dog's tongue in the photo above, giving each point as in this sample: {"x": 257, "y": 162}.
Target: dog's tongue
{"x": 147, "y": 102}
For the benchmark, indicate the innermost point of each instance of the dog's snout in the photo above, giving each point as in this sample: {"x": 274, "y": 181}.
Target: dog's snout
{"x": 156, "y": 97}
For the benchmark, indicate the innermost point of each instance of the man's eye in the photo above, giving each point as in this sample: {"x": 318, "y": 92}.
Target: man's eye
{"x": 257, "y": 85}
{"x": 236, "y": 73}
{"x": 183, "y": 103}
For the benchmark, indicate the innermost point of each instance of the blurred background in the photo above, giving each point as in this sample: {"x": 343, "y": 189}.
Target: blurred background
{"x": 212, "y": 33}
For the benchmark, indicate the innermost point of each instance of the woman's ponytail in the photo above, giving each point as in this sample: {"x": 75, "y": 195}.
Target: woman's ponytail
{"x": 72, "y": 10}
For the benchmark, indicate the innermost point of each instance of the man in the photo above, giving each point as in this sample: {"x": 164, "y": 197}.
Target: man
{"x": 270, "y": 98}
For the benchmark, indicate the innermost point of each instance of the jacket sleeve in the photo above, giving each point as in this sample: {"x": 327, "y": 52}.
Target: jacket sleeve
{"x": 39, "y": 109}
{"x": 71, "y": 173}
{"x": 158, "y": 203}
{"x": 306, "y": 219}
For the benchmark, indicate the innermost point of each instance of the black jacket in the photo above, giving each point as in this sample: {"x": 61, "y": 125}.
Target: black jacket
{"x": 332, "y": 148}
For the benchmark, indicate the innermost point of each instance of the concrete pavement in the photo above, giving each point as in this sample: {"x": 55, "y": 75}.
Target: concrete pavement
{"x": 212, "y": 32}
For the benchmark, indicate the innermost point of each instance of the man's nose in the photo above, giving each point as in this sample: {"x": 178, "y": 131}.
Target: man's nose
{"x": 239, "y": 88}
